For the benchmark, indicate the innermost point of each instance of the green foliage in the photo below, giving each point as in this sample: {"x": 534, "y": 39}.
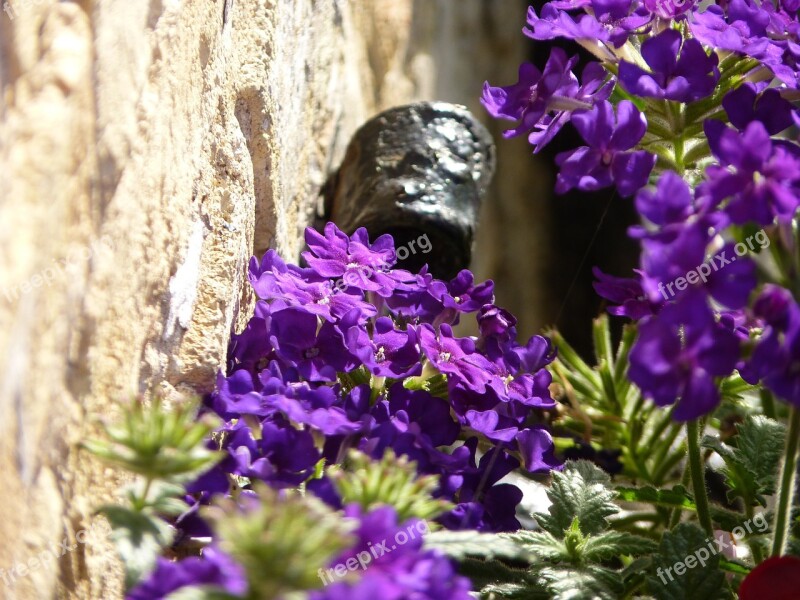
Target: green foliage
{"x": 279, "y": 538}
{"x": 575, "y": 555}
{"x": 157, "y": 443}
{"x": 601, "y": 405}
{"x": 393, "y": 481}
{"x": 751, "y": 466}
{"x": 579, "y": 492}
{"x": 700, "y": 582}
{"x": 165, "y": 448}
{"x": 139, "y": 538}
{"x": 677, "y": 497}
{"x": 460, "y": 545}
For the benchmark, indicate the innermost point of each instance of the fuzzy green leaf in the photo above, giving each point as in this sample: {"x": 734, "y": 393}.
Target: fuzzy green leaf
{"x": 581, "y": 583}
{"x": 691, "y": 578}
{"x": 139, "y": 538}
{"x": 677, "y": 497}
{"x": 751, "y": 466}
{"x": 540, "y": 543}
{"x": 615, "y": 543}
{"x": 513, "y": 591}
{"x": 492, "y": 574}
{"x": 760, "y": 447}
{"x": 579, "y": 491}
{"x": 461, "y": 544}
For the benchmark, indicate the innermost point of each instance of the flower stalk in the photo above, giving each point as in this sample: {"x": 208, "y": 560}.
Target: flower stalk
{"x": 787, "y": 485}
{"x": 697, "y": 471}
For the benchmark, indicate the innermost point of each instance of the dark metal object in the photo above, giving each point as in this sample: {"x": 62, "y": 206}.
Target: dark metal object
{"x": 412, "y": 171}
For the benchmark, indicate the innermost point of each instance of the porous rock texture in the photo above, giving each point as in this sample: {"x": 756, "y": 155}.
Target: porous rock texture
{"x": 147, "y": 150}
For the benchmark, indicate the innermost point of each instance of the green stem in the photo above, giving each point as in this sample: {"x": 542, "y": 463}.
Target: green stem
{"x": 669, "y": 463}
{"x": 755, "y": 548}
{"x": 786, "y": 491}
{"x": 675, "y": 518}
{"x": 698, "y": 476}
{"x": 140, "y": 502}
{"x": 767, "y": 403}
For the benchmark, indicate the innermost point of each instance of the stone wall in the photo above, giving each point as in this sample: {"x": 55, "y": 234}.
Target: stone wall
{"x": 147, "y": 150}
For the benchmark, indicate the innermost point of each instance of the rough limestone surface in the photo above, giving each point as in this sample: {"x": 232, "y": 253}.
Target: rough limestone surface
{"x": 147, "y": 150}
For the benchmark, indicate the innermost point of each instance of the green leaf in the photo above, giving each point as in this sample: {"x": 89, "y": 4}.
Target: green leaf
{"x": 200, "y": 593}
{"x": 159, "y": 443}
{"x": 734, "y": 386}
{"x": 760, "y": 448}
{"x": 677, "y": 497}
{"x": 513, "y": 591}
{"x": 677, "y": 572}
{"x": 281, "y": 539}
{"x": 580, "y": 492}
{"x": 734, "y": 566}
{"x": 139, "y": 538}
{"x": 492, "y": 574}
{"x": 461, "y": 544}
{"x": 581, "y": 583}
{"x": 751, "y": 466}
{"x": 540, "y": 543}
{"x": 615, "y": 543}
{"x": 392, "y": 481}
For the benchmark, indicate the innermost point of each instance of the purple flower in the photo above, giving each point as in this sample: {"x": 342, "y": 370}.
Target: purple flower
{"x": 483, "y": 503}
{"x": 534, "y": 95}
{"x": 626, "y": 293}
{"x": 555, "y": 23}
{"x": 537, "y": 450}
{"x": 390, "y": 352}
{"x": 318, "y": 353}
{"x": 674, "y": 263}
{"x": 745, "y": 104}
{"x": 286, "y": 285}
{"x": 214, "y": 568}
{"x": 776, "y": 358}
{"x": 455, "y": 357}
{"x": 496, "y": 321}
{"x": 678, "y": 354}
{"x": 401, "y": 570}
{"x": 251, "y": 348}
{"x": 353, "y": 259}
{"x": 759, "y": 179}
{"x": 608, "y": 157}
{"x": 611, "y": 23}
{"x": 670, "y": 202}
{"x": 743, "y": 30}
{"x": 594, "y": 88}
{"x": 293, "y": 394}
{"x": 754, "y": 29}
{"x": 236, "y": 395}
{"x": 466, "y": 297}
{"x": 543, "y": 100}
{"x": 419, "y": 297}
{"x": 669, "y": 9}
{"x": 685, "y": 78}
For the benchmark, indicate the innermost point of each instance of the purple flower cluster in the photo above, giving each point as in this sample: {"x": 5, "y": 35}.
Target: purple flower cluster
{"x": 401, "y": 571}
{"x": 694, "y": 131}
{"x": 349, "y": 352}
{"x": 352, "y": 365}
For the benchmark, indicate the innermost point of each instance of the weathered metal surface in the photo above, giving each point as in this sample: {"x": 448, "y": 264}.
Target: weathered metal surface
{"x": 415, "y": 170}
